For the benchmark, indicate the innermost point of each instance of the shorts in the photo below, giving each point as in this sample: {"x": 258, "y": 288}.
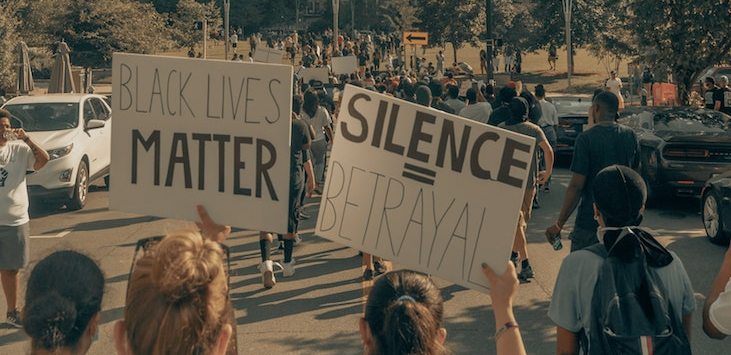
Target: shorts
{"x": 582, "y": 238}
{"x": 295, "y": 191}
{"x": 526, "y": 209}
{"x": 14, "y": 247}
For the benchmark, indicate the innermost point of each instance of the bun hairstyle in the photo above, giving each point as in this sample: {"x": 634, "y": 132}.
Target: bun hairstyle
{"x": 64, "y": 294}
{"x": 404, "y": 313}
{"x": 177, "y": 299}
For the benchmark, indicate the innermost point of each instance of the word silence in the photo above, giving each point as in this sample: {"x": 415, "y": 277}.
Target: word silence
{"x": 190, "y": 132}
{"x": 437, "y": 193}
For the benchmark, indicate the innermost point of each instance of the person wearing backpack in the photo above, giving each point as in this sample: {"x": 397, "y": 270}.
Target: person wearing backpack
{"x": 627, "y": 294}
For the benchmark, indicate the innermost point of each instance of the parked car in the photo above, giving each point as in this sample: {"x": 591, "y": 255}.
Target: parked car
{"x": 681, "y": 147}
{"x": 716, "y": 208}
{"x": 573, "y": 118}
{"x": 76, "y": 130}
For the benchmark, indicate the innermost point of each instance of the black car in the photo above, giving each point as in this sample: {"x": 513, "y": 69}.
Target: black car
{"x": 716, "y": 208}
{"x": 681, "y": 147}
{"x": 573, "y": 117}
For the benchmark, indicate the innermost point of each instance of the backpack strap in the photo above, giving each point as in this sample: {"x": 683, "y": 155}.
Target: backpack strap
{"x": 598, "y": 249}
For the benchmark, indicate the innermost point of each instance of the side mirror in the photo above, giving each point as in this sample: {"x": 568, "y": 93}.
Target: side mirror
{"x": 94, "y": 124}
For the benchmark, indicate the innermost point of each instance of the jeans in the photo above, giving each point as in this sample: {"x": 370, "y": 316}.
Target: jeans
{"x": 319, "y": 149}
{"x": 552, "y": 137}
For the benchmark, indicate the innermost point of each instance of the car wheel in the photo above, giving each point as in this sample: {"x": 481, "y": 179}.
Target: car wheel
{"x": 712, "y": 219}
{"x": 81, "y": 190}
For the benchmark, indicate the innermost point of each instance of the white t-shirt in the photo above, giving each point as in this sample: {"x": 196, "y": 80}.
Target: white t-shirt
{"x": 15, "y": 160}
{"x": 720, "y": 311}
{"x": 318, "y": 123}
{"x": 479, "y": 112}
{"x": 615, "y": 86}
{"x": 549, "y": 116}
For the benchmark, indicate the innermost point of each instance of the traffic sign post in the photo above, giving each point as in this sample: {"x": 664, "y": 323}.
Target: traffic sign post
{"x": 416, "y": 38}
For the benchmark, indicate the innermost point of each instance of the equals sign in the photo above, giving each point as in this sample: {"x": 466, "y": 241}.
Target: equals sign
{"x": 417, "y": 173}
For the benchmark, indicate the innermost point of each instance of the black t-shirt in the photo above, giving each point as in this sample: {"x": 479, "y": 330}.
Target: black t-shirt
{"x": 601, "y": 146}
{"x": 499, "y": 115}
{"x": 711, "y": 96}
{"x": 723, "y": 95}
{"x": 534, "y": 108}
{"x": 300, "y": 138}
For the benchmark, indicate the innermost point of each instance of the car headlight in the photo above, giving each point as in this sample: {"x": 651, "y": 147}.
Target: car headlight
{"x": 60, "y": 152}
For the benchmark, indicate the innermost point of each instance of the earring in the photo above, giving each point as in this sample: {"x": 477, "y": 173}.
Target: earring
{"x": 596, "y": 218}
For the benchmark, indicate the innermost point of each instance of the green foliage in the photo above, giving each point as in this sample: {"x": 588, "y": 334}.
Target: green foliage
{"x": 184, "y": 17}
{"x": 95, "y": 29}
{"x": 687, "y": 37}
{"x": 8, "y": 41}
{"x": 397, "y": 15}
{"x": 458, "y": 22}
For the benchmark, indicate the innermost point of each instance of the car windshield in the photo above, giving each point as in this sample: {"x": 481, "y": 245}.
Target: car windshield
{"x": 574, "y": 106}
{"x": 685, "y": 121}
{"x": 37, "y": 117}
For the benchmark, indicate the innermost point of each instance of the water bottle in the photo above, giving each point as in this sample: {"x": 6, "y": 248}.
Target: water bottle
{"x": 556, "y": 242}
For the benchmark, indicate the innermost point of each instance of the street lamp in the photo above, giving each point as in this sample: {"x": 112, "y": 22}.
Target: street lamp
{"x": 226, "y": 26}
{"x": 336, "y": 10}
{"x": 567, "y": 9}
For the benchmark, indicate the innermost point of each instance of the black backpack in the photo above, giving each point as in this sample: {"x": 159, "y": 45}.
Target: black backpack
{"x": 630, "y": 311}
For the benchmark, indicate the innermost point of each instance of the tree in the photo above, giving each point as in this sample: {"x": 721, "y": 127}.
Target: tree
{"x": 687, "y": 37}
{"x": 187, "y": 13}
{"x": 8, "y": 41}
{"x": 95, "y": 29}
{"x": 458, "y": 22}
{"x": 397, "y": 15}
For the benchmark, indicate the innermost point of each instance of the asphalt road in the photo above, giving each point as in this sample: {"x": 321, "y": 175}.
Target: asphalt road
{"x": 316, "y": 312}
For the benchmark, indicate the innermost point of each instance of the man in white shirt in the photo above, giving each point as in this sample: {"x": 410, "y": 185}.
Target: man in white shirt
{"x": 547, "y": 122}
{"x": 476, "y": 111}
{"x": 453, "y": 100}
{"x": 16, "y": 159}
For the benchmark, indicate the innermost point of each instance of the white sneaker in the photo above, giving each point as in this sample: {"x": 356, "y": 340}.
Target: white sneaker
{"x": 288, "y": 268}
{"x": 297, "y": 240}
{"x": 267, "y": 273}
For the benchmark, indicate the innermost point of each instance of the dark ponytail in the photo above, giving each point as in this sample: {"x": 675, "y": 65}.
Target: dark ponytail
{"x": 404, "y": 313}
{"x": 64, "y": 294}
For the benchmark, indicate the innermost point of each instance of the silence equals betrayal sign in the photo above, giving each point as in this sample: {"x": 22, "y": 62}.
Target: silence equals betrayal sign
{"x": 431, "y": 191}
{"x": 191, "y": 131}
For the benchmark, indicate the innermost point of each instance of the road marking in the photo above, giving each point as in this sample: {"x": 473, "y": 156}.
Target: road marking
{"x": 59, "y": 235}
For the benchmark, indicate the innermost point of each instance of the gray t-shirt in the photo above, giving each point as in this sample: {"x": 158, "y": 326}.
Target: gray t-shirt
{"x": 571, "y": 301}
{"x": 531, "y": 130}
{"x": 601, "y": 146}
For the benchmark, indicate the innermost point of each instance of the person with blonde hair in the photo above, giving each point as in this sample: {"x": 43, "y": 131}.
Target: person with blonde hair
{"x": 177, "y": 297}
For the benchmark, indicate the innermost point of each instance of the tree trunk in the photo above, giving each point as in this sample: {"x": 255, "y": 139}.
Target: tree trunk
{"x": 684, "y": 80}
{"x": 454, "y": 50}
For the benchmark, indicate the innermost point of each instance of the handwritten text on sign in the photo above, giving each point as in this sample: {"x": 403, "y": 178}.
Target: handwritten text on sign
{"x": 431, "y": 191}
{"x": 189, "y": 132}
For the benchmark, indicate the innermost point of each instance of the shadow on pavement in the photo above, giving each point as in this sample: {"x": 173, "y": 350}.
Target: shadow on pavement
{"x": 107, "y": 224}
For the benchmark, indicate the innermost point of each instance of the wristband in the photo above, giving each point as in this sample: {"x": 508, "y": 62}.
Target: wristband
{"x": 26, "y": 139}
{"x": 505, "y": 328}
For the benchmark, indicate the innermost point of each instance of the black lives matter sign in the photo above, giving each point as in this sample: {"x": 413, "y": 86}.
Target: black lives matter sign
{"x": 189, "y": 131}
{"x": 431, "y": 191}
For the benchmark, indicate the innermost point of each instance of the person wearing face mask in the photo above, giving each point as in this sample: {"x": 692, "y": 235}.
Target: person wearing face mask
{"x": 639, "y": 266}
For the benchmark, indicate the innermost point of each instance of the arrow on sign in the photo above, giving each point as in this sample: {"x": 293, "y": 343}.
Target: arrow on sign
{"x": 412, "y": 38}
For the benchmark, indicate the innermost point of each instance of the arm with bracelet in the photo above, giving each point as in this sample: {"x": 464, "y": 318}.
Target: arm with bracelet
{"x": 502, "y": 290}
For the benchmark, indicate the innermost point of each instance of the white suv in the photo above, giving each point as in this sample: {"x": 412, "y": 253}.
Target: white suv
{"x": 75, "y": 129}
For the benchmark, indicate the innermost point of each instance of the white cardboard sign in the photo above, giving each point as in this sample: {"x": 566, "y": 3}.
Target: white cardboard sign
{"x": 344, "y": 65}
{"x": 269, "y": 55}
{"x": 431, "y": 191}
{"x": 191, "y": 131}
{"x": 319, "y": 74}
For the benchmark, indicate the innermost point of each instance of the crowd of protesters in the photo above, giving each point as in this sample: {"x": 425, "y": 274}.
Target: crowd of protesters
{"x": 178, "y": 302}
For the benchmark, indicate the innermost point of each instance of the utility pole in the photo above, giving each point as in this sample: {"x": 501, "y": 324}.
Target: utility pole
{"x": 352, "y": 17}
{"x": 205, "y": 38}
{"x": 567, "y": 9}
{"x": 336, "y": 10}
{"x": 226, "y": 26}
{"x": 490, "y": 50}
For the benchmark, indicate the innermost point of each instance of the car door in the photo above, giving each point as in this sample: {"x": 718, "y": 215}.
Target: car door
{"x": 90, "y": 142}
{"x": 103, "y": 136}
